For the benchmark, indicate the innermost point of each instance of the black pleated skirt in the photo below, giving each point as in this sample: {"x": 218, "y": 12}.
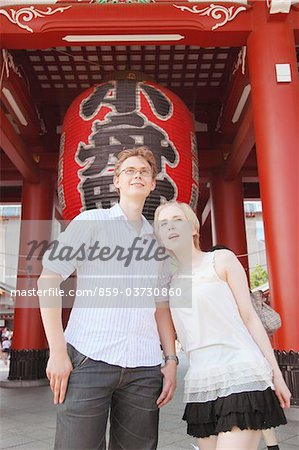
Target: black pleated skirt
{"x": 256, "y": 410}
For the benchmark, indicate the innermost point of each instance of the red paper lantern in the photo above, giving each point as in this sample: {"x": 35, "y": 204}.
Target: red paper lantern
{"x": 120, "y": 114}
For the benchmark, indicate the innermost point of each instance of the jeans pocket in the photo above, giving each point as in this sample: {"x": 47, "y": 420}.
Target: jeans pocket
{"x": 77, "y": 358}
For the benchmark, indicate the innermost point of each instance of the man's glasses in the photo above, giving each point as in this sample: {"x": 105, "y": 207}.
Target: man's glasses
{"x": 132, "y": 171}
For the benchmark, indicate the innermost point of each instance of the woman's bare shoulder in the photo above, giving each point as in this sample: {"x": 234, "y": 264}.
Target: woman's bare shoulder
{"x": 224, "y": 255}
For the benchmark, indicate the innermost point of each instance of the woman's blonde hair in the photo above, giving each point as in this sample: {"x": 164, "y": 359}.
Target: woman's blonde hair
{"x": 189, "y": 214}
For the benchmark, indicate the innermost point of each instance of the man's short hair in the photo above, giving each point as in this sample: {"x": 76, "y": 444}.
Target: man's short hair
{"x": 142, "y": 152}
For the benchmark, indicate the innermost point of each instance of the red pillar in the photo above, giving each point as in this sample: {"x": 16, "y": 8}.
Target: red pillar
{"x": 29, "y": 343}
{"x": 206, "y": 240}
{"x": 228, "y": 222}
{"x": 276, "y": 122}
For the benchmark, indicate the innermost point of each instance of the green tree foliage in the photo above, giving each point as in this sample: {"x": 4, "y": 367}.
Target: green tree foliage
{"x": 258, "y": 276}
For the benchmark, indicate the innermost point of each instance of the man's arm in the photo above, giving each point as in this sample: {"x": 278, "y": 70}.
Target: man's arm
{"x": 167, "y": 339}
{"x": 59, "y": 365}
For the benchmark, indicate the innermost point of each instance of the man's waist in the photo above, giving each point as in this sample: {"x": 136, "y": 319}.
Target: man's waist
{"x": 142, "y": 355}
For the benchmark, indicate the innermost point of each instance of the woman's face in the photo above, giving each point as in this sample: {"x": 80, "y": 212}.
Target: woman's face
{"x": 174, "y": 229}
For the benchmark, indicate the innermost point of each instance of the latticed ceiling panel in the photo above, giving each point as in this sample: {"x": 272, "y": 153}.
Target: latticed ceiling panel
{"x": 172, "y": 66}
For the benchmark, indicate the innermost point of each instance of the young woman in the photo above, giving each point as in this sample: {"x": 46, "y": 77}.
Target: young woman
{"x": 233, "y": 387}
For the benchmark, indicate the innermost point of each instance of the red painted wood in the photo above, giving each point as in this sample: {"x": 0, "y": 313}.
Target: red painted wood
{"x": 295, "y": 22}
{"x": 276, "y": 121}
{"x": 17, "y": 151}
{"x": 206, "y": 240}
{"x": 108, "y": 19}
{"x": 37, "y": 207}
{"x": 241, "y": 147}
{"x": 228, "y": 223}
{"x": 19, "y": 91}
{"x": 237, "y": 83}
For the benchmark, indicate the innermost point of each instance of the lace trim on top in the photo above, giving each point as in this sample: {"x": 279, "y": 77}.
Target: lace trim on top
{"x": 198, "y": 397}
{"x": 206, "y": 385}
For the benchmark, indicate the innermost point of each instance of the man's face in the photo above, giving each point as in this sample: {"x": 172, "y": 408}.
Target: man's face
{"x": 135, "y": 178}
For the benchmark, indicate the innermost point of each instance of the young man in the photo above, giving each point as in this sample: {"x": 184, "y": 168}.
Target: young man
{"x": 109, "y": 357}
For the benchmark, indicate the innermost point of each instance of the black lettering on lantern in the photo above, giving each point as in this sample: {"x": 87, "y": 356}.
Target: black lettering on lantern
{"x": 118, "y": 95}
{"x": 165, "y": 190}
{"x": 124, "y": 126}
{"x": 160, "y": 104}
{"x": 91, "y": 106}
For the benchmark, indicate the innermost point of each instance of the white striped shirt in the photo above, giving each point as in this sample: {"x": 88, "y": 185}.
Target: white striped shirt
{"x": 120, "y": 329}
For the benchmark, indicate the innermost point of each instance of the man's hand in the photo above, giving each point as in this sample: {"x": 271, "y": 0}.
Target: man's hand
{"x": 169, "y": 383}
{"x": 58, "y": 371}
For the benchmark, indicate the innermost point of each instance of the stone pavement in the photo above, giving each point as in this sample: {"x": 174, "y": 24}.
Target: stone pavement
{"x": 28, "y": 419}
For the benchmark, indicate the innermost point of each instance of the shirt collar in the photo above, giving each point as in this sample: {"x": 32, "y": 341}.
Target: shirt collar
{"x": 116, "y": 211}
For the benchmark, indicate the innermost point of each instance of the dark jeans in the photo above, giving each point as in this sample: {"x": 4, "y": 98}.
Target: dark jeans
{"x": 96, "y": 387}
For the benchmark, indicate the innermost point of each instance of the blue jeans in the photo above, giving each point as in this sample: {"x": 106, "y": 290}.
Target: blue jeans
{"x": 94, "y": 389}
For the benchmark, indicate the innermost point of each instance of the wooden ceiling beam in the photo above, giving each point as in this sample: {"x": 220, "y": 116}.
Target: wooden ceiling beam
{"x": 210, "y": 159}
{"x": 250, "y": 175}
{"x": 48, "y": 161}
{"x": 239, "y": 86}
{"x": 10, "y": 178}
{"x": 241, "y": 147}
{"x": 17, "y": 151}
{"x": 100, "y": 19}
{"x": 17, "y": 99}
{"x": 10, "y": 194}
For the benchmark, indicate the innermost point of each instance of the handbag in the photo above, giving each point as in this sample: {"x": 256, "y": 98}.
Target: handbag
{"x": 270, "y": 318}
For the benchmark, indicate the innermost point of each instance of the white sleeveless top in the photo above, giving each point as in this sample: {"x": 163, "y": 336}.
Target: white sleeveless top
{"x": 223, "y": 357}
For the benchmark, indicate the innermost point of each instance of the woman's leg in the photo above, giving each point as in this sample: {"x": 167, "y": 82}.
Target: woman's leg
{"x": 238, "y": 440}
{"x": 270, "y": 437}
{"x": 2, "y": 356}
{"x": 208, "y": 443}
{"x": 5, "y": 357}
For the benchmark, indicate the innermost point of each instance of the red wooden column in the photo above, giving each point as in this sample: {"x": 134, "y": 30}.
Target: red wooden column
{"x": 276, "y": 123}
{"x": 206, "y": 240}
{"x": 228, "y": 222}
{"x": 29, "y": 354}
{"x": 205, "y": 232}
